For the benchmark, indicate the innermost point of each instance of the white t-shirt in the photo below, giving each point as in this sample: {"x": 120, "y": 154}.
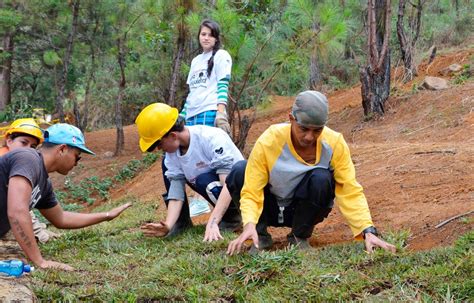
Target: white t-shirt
{"x": 210, "y": 148}
{"x": 202, "y": 89}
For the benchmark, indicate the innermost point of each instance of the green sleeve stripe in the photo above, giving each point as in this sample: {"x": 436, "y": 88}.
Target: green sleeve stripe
{"x": 184, "y": 110}
{"x": 222, "y": 90}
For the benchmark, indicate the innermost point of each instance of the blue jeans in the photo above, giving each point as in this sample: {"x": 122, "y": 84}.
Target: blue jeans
{"x": 208, "y": 186}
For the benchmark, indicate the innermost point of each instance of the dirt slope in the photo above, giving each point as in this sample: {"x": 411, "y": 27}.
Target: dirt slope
{"x": 416, "y": 163}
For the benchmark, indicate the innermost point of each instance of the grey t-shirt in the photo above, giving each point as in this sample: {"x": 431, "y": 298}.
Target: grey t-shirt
{"x": 28, "y": 163}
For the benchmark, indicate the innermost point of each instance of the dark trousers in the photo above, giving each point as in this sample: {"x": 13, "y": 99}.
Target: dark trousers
{"x": 312, "y": 202}
{"x": 207, "y": 186}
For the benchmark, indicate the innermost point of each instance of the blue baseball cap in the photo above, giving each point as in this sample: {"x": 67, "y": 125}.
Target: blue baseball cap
{"x": 63, "y": 133}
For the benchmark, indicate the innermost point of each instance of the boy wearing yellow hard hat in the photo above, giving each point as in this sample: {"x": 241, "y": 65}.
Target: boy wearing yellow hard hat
{"x": 23, "y": 132}
{"x": 199, "y": 155}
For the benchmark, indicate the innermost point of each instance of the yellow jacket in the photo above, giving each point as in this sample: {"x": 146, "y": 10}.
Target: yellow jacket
{"x": 274, "y": 161}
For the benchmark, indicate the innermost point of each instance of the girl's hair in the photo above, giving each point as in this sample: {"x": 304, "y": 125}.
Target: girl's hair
{"x": 215, "y": 32}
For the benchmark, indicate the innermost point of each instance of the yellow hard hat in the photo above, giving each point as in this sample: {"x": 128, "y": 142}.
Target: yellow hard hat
{"x": 153, "y": 122}
{"x": 26, "y": 126}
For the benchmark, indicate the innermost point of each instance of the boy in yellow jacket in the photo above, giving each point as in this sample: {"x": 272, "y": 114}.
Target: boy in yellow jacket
{"x": 293, "y": 174}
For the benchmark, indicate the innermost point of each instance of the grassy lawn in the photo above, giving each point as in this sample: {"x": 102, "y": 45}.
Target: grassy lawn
{"x": 115, "y": 262}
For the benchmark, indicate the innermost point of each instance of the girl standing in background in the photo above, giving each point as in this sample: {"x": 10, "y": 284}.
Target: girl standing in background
{"x": 208, "y": 81}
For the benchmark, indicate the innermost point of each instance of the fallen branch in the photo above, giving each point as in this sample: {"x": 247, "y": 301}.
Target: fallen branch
{"x": 453, "y": 218}
{"x": 436, "y": 152}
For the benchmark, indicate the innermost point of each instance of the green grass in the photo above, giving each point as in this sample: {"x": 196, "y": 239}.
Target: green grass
{"x": 115, "y": 262}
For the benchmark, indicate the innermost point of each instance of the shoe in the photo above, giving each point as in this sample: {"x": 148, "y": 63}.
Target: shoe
{"x": 198, "y": 207}
{"x": 300, "y": 243}
{"x": 229, "y": 226}
{"x": 44, "y": 235}
{"x": 179, "y": 228}
{"x": 39, "y": 229}
{"x": 265, "y": 242}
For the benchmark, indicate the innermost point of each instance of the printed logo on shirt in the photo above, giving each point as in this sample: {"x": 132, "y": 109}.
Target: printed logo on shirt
{"x": 219, "y": 151}
{"x": 35, "y": 196}
{"x": 198, "y": 79}
{"x": 201, "y": 164}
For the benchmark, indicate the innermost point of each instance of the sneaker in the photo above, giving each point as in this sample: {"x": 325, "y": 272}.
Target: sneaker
{"x": 198, "y": 207}
{"x": 39, "y": 229}
{"x": 300, "y": 243}
{"x": 264, "y": 242}
{"x": 179, "y": 228}
{"x": 229, "y": 226}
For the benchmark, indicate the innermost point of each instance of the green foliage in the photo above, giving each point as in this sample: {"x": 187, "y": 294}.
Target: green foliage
{"x": 442, "y": 25}
{"x": 9, "y": 19}
{"x": 272, "y": 44}
{"x": 260, "y": 268}
{"x": 79, "y": 192}
{"x": 16, "y": 111}
{"x": 128, "y": 171}
{"x": 464, "y": 75}
{"x": 51, "y": 58}
{"x": 150, "y": 158}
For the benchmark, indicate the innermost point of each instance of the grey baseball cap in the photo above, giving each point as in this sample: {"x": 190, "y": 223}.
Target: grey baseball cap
{"x": 311, "y": 109}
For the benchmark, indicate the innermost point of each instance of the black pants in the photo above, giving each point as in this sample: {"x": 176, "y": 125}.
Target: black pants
{"x": 206, "y": 187}
{"x": 312, "y": 202}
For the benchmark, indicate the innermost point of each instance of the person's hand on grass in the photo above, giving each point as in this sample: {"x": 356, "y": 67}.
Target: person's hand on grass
{"x": 250, "y": 232}
{"x": 155, "y": 229}
{"x": 372, "y": 242}
{"x": 45, "y": 264}
{"x": 212, "y": 232}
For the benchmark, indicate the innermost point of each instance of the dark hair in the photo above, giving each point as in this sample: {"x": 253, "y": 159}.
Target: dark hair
{"x": 215, "y": 32}
{"x": 13, "y": 136}
{"x": 177, "y": 127}
{"x": 48, "y": 145}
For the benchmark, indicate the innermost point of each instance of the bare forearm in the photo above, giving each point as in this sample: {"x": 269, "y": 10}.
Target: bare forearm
{"x": 71, "y": 220}
{"x": 222, "y": 203}
{"x": 19, "y": 195}
{"x": 23, "y": 232}
{"x": 174, "y": 209}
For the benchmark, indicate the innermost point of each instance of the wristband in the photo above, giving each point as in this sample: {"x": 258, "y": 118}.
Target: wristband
{"x": 371, "y": 230}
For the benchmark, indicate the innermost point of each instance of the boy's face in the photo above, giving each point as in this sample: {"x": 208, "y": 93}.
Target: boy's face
{"x": 169, "y": 143}
{"x": 21, "y": 141}
{"x": 304, "y": 136}
{"x": 69, "y": 157}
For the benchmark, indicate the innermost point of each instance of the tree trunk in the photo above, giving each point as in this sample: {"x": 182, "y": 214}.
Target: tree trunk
{"x": 120, "y": 139}
{"x": 6, "y": 70}
{"x": 314, "y": 70}
{"x": 408, "y": 44}
{"x": 375, "y": 89}
{"x": 90, "y": 78}
{"x": 82, "y": 123}
{"x": 67, "y": 57}
{"x": 176, "y": 69}
{"x": 187, "y": 6}
{"x": 375, "y": 77}
{"x": 456, "y": 7}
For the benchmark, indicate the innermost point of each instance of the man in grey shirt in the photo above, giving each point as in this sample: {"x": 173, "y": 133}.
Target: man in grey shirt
{"x": 25, "y": 184}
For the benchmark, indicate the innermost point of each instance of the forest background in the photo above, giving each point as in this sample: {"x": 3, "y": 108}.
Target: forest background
{"x": 79, "y": 59}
